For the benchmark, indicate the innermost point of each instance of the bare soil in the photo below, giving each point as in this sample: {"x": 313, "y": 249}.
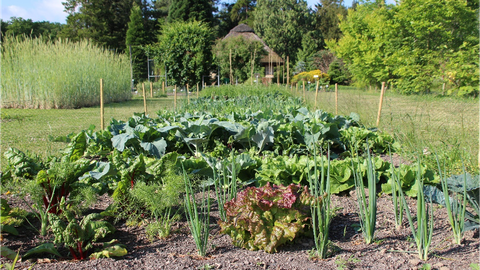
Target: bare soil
{"x": 393, "y": 249}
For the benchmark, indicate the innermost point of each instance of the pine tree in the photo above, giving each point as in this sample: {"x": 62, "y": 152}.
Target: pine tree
{"x": 136, "y": 38}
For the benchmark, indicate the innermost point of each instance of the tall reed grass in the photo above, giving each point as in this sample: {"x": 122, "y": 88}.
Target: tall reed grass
{"x": 38, "y": 73}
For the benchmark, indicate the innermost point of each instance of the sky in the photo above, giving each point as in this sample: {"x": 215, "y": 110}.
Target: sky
{"x": 52, "y": 10}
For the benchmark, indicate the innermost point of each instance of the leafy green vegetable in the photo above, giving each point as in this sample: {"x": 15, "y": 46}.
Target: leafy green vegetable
{"x": 267, "y": 217}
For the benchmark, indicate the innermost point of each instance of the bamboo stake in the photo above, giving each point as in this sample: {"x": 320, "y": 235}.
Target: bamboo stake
{"x": 296, "y": 88}
{"x": 163, "y": 88}
{"x": 188, "y": 95}
{"x": 175, "y": 98}
{"x": 381, "y": 103}
{"x": 197, "y": 90}
{"x": 102, "y": 112}
{"x": 144, "y": 99}
{"x": 316, "y": 94}
{"x": 336, "y": 100}
{"x": 151, "y": 89}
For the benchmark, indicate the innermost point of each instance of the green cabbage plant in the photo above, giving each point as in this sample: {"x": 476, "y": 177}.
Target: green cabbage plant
{"x": 267, "y": 217}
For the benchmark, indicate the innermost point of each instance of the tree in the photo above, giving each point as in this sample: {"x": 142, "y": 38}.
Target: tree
{"x": 187, "y": 10}
{"x": 134, "y": 40}
{"x": 282, "y": 24}
{"x": 328, "y": 12}
{"x": 242, "y": 12}
{"x": 413, "y": 45}
{"x": 185, "y": 48}
{"x": 105, "y": 22}
{"x": 243, "y": 51}
{"x": 18, "y": 26}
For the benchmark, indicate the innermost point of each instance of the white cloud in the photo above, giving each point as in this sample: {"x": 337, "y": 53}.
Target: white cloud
{"x": 36, "y": 10}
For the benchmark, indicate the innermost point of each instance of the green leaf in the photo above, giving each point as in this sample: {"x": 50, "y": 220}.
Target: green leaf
{"x": 43, "y": 248}
{"x": 8, "y": 253}
{"x": 112, "y": 251}
{"x": 8, "y": 229}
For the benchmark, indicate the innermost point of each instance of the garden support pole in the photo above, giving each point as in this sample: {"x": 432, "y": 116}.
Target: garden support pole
{"x": 151, "y": 89}
{"x": 316, "y": 94}
{"x": 188, "y": 94}
{"x": 163, "y": 88}
{"x": 197, "y": 90}
{"x": 381, "y": 103}
{"x": 304, "y": 94}
{"x": 288, "y": 71}
{"x": 231, "y": 75}
{"x": 102, "y": 113}
{"x": 175, "y": 98}
{"x": 336, "y": 100}
{"x": 144, "y": 99}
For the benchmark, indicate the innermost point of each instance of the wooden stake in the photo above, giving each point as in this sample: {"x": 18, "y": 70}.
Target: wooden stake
{"x": 336, "y": 99}
{"x": 197, "y": 90}
{"x": 288, "y": 71}
{"x": 231, "y": 73}
{"x": 102, "y": 112}
{"x": 316, "y": 94}
{"x": 296, "y": 88}
{"x": 151, "y": 89}
{"x": 144, "y": 99}
{"x": 175, "y": 98}
{"x": 381, "y": 103}
{"x": 304, "y": 94}
{"x": 278, "y": 72}
{"x": 163, "y": 87}
{"x": 188, "y": 95}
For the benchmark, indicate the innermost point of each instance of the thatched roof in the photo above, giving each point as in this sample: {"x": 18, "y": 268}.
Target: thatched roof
{"x": 248, "y": 33}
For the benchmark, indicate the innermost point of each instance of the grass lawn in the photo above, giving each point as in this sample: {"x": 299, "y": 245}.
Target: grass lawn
{"x": 29, "y": 129}
{"x": 423, "y": 124}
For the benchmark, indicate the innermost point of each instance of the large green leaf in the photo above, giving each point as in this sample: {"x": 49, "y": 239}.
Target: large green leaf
{"x": 43, "y": 248}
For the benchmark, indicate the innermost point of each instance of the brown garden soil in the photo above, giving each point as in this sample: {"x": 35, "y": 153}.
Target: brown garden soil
{"x": 393, "y": 249}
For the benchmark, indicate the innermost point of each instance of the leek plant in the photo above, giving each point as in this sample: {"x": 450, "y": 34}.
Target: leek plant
{"x": 424, "y": 231}
{"x": 367, "y": 211}
{"x": 321, "y": 210}
{"x": 397, "y": 203}
{"x": 225, "y": 185}
{"x": 455, "y": 209}
{"x": 199, "y": 222}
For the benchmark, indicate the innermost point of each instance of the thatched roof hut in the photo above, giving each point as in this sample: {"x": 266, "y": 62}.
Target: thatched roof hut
{"x": 269, "y": 61}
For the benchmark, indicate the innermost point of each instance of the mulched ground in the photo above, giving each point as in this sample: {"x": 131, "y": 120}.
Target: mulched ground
{"x": 393, "y": 249}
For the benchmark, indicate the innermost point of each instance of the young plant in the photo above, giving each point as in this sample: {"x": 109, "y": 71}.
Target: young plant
{"x": 320, "y": 208}
{"x": 455, "y": 209}
{"x": 424, "y": 231}
{"x": 266, "y": 217}
{"x": 225, "y": 183}
{"x": 367, "y": 211}
{"x": 397, "y": 203}
{"x": 199, "y": 222}
{"x": 79, "y": 237}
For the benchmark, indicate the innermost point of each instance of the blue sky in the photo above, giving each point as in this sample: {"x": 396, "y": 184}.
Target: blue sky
{"x": 52, "y": 10}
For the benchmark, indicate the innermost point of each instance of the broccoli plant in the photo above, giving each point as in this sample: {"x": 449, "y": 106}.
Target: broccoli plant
{"x": 267, "y": 217}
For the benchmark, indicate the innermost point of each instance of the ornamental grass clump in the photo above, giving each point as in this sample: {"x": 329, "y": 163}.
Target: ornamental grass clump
{"x": 40, "y": 73}
{"x": 266, "y": 217}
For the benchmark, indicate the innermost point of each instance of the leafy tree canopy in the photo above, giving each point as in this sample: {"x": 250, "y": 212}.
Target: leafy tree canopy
{"x": 185, "y": 48}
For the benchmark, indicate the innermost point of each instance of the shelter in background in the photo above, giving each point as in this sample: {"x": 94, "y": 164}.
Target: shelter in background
{"x": 270, "y": 61}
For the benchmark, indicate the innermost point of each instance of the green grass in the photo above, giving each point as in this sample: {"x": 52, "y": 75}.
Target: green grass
{"x": 38, "y": 73}
{"x": 423, "y": 124}
{"x": 29, "y": 129}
